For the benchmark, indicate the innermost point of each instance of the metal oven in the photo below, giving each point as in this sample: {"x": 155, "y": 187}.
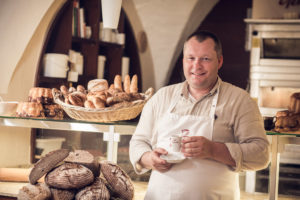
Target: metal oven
{"x": 274, "y": 62}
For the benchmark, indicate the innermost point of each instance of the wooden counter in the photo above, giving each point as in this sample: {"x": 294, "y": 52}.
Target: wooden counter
{"x": 9, "y": 190}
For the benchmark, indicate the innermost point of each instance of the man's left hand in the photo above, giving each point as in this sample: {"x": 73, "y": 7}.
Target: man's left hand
{"x": 197, "y": 146}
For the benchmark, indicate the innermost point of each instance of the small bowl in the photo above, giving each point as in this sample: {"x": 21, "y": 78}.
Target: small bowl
{"x": 8, "y": 108}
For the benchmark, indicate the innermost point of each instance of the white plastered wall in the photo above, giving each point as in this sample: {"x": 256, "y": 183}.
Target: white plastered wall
{"x": 21, "y": 50}
{"x": 166, "y": 24}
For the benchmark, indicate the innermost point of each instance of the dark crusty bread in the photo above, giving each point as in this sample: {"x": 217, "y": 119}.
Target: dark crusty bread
{"x": 39, "y": 191}
{"x": 86, "y": 159}
{"x": 118, "y": 180}
{"x": 60, "y": 194}
{"x": 47, "y": 163}
{"x": 69, "y": 176}
{"x": 97, "y": 191}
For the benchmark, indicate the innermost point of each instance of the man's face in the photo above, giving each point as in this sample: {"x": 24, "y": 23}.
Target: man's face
{"x": 200, "y": 63}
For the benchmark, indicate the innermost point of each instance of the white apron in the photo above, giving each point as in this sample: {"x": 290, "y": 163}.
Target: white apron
{"x": 192, "y": 179}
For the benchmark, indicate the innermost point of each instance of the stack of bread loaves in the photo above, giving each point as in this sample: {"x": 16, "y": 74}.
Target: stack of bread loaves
{"x": 40, "y": 104}
{"x": 76, "y": 175}
{"x": 289, "y": 120}
{"x": 100, "y": 95}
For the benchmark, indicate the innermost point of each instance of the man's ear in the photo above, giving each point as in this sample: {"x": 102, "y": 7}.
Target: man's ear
{"x": 220, "y": 61}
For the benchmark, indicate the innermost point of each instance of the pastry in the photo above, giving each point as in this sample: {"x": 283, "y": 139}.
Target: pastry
{"x": 69, "y": 176}
{"x": 64, "y": 90}
{"x": 86, "y": 159}
{"x": 97, "y": 85}
{"x": 30, "y": 109}
{"x": 72, "y": 89}
{"x": 40, "y": 95}
{"x": 97, "y": 191}
{"x": 38, "y": 191}
{"x": 118, "y": 180}
{"x": 76, "y": 99}
{"x": 60, "y": 194}
{"x": 117, "y": 98}
{"x": 134, "y": 84}
{"x": 99, "y": 103}
{"x": 118, "y": 83}
{"x": 80, "y": 88}
{"x": 53, "y": 111}
{"x": 89, "y": 104}
{"x": 47, "y": 163}
{"x": 126, "y": 84}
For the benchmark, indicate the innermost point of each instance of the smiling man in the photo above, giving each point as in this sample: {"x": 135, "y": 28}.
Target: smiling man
{"x": 220, "y": 125}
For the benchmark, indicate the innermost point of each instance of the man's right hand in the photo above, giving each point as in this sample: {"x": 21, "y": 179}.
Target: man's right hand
{"x": 152, "y": 160}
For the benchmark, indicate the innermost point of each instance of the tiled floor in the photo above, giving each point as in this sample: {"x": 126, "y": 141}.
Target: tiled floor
{"x": 140, "y": 189}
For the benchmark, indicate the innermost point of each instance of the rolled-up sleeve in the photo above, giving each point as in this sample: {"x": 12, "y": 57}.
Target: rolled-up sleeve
{"x": 251, "y": 149}
{"x": 141, "y": 139}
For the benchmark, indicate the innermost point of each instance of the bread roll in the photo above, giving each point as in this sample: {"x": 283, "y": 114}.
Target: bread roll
{"x": 134, "y": 84}
{"x": 117, "y": 98}
{"x": 81, "y": 88}
{"x": 126, "y": 84}
{"x": 38, "y": 191}
{"x": 72, "y": 89}
{"x": 99, "y": 103}
{"x": 89, "y": 104}
{"x": 97, "y": 85}
{"x": 118, "y": 82}
{"x": 76, "y": 99}
{"x": 69, "y": 176}
{"x": 64, "y": 90}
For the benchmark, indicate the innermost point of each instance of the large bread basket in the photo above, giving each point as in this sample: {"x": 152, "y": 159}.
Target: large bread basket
{"x": 108, "y": 114}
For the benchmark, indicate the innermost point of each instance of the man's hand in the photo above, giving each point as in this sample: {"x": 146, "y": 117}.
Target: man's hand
{"x": 200, "y": 147}
{"x": 152, "y": 160}
{"x": 197, "y": 146}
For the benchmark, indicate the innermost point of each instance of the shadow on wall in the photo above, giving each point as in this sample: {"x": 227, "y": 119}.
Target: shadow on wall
{"x": 231, "y": 29}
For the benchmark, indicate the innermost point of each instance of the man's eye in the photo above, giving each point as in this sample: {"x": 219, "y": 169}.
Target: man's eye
{"x": 207, "y": 59}
{"x": 190, "y": 58}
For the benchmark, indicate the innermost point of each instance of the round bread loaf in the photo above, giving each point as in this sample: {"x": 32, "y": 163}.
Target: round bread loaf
{"x": 97, "y": 85}
{"x": 47, "y": 163}
{"x": 96, "y": 191}
{"x": 38, "y": 191}
{"x": 59, "y": 194}
{"x": 86, "y": 159}
{"x": 69, "y": 176}
{"x": 118, "y": 180}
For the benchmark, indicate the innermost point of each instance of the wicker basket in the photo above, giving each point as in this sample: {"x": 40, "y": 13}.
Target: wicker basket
{"x": 108, "y": 114}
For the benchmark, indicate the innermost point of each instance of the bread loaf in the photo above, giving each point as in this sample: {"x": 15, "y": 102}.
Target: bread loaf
{"x": 118, "y": 180}
{"x": 60, "y": 194}
{"x": 69, "y": 176}
{"x": 38, "y": 191}
{"x": 47, "y": 163}
{"x": 97, "y": 191}
{"x": 86, "y": 159}
{"x": 97, "y": 85}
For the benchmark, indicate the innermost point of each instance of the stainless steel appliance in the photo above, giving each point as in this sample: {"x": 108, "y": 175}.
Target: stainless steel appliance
{"x": 275, "y": 62}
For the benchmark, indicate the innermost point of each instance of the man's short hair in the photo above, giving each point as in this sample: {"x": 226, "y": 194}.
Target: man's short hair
{"x": 203, "y": 35}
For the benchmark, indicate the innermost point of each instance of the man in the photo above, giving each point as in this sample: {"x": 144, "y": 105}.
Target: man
{"x": 221, "y": 127}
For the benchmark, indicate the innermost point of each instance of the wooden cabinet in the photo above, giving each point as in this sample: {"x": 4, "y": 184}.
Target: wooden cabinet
{"x": 60, "y": 40}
